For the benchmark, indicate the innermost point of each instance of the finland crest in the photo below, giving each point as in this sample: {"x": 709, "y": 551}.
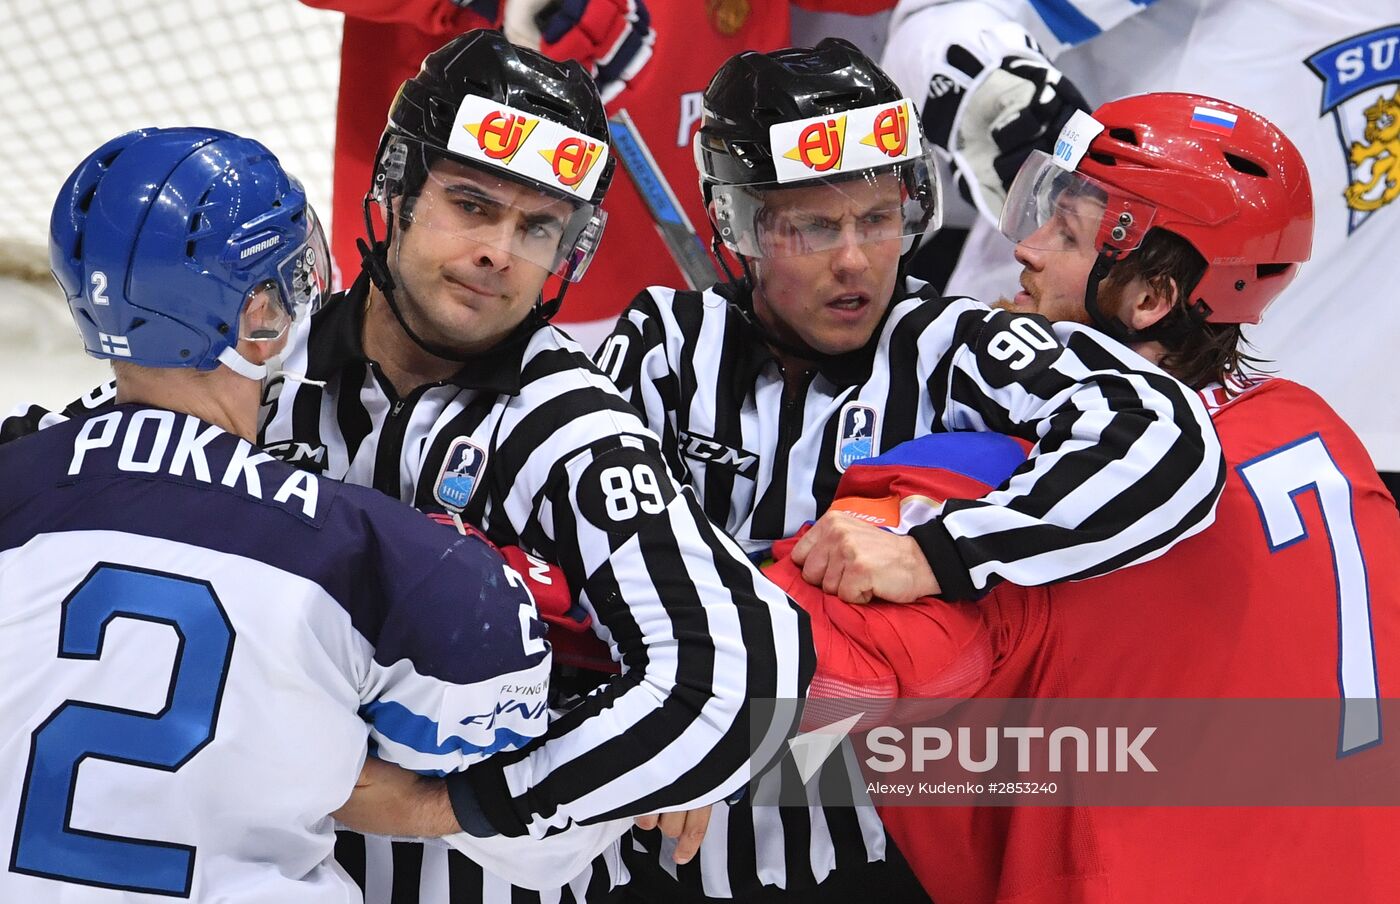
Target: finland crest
{"x": 1361, "y": 89}
{"x": 461, "y": 468}
{"x": 857, "y": 437}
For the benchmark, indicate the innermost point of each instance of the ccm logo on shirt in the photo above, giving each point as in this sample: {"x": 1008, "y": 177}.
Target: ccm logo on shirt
{"x": 303, "y": 455}
{"x": 705, "y": 448}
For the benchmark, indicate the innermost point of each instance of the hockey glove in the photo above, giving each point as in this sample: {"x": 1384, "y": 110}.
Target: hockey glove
{"x": 990, "y": 104}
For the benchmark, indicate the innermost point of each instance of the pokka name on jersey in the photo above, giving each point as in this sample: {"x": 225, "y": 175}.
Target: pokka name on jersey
{"x": 818, "y": 146}
{"x": 499, "y": 136}
{"x": 151, "y": 441}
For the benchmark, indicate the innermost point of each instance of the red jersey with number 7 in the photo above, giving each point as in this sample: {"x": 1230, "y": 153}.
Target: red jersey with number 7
{"x": 1294, "y": 592}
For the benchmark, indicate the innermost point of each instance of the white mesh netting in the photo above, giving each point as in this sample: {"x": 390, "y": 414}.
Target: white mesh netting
{"x": 74, "y": 73}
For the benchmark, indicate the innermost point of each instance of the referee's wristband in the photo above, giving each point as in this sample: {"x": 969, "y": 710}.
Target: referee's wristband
{"x": 467, "y": 808}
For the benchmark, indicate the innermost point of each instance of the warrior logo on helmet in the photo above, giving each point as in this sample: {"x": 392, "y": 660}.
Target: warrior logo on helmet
{"x": 501, "y": 135}
{"x": 1361, "y": 89}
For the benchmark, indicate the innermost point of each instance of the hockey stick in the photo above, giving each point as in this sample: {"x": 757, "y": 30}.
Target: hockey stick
{"x": 687, "y": 248}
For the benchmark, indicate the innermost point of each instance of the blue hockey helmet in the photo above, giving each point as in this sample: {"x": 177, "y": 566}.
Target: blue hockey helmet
{"x": 160, "y": 236}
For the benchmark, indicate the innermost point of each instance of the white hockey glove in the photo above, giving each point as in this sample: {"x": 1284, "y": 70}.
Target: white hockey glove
{"x": 990, "y": 103}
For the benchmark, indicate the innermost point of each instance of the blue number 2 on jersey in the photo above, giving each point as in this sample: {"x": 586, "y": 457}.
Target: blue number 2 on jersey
{"x": 45, "y": 844}
{"x": 1275, "y": 480}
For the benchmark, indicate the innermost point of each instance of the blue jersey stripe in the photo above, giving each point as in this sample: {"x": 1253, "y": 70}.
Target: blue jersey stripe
{"x": 403, "y": 726}
{"x": 1065, "y": 21}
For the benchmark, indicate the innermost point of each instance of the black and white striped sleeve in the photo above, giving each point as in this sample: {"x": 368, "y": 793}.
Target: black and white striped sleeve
{"x": 1125, "y": 464}
{"x": 635, "y": 357}
{"x": 699, "y": 632}
{"x": 27, "y": 419}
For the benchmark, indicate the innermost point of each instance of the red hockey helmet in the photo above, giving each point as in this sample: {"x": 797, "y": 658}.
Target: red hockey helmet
{"x": 1223, "y": 178}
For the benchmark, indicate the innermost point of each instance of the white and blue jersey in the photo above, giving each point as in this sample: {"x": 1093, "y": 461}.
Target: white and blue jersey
{"x": 197, "y": 641}
{"x": 1326, "y": 73}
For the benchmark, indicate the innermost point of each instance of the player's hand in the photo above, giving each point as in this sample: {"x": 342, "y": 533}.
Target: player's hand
{"x": 388, "y": 800}
{"x": 995, "y": 97}
{"x": 591, "y": 32}
{"x": 859, "y": 562}
{"x": 1020, "y": 107}
{"x": 686, "y": 826}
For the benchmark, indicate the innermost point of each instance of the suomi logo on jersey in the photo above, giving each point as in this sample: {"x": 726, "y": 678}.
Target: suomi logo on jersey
{"x": 857, "y": 437}
{"x": 1361, "y": 89}
{"x": 461, "y": 469}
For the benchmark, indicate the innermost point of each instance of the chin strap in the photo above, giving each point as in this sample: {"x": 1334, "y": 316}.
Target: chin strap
{"x": 741, "y": 302}
{"x": 258, "y": 373}
{"x": 240, "y": 365}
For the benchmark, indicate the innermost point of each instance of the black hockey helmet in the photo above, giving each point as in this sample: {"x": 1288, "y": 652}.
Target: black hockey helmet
{"x": 804, "y": 116}
{"x": 514, "y": 116}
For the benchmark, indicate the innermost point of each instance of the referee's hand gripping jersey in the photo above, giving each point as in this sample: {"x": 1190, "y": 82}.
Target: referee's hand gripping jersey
{"x": 198, "y": 639}
{"x": 765, "y": 388}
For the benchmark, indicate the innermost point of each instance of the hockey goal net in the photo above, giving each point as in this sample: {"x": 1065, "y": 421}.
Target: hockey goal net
{"x": 77, "y": 72}
{"x": 74, "y": 73}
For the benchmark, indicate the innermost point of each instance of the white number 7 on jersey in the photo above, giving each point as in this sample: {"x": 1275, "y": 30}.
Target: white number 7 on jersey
{"x": 1275, "y": 480}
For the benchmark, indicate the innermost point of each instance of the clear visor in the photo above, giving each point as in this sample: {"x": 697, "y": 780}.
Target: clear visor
{"x": 480, "y": 206}
{"x": 1049, "y": 208}
{"x": 772, "y": 219}
{"x": 303, "y": 282}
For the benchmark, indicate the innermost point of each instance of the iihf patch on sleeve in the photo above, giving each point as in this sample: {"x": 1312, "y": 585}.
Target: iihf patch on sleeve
{"x": 1012, "y": 348}
{"x": 461, "y": 471}
{"x": 622, "y": 489}
{"x": 857, "y": 438}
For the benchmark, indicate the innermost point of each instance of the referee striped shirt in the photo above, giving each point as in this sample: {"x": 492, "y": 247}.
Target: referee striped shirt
{"x": 1125, "y": 464}
{"x": 1125, "y": 461}
{"x": 538, "y": 449}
